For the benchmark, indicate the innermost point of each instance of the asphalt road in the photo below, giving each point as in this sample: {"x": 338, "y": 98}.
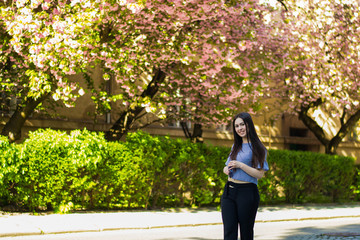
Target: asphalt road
{"x": 291, "y": 230}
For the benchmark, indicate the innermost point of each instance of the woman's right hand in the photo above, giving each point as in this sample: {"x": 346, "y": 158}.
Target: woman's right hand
{"x": 226, "y": 170}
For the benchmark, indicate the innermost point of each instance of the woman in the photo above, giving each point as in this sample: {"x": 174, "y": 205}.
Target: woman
{"x": 244, "y": 166}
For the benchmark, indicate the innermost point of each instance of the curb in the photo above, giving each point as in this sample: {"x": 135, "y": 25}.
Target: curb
{"x": 306, "y": 218}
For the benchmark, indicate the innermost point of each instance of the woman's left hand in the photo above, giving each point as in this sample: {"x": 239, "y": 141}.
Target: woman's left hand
{"x": 234, "y": 164}
{"x": 256, "y": 173}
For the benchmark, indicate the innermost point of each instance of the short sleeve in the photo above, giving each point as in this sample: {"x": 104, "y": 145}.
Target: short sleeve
{"x": 266, "y": 165}
{"x": 228, "y": 159}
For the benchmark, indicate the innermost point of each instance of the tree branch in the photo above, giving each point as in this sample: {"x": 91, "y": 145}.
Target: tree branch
{"x": 311, "y": 123}
{"x": 12, "y": 129}
{"x": 342, "y": 118}
{"x": 129, "y": 116}
{"x": 185, "y": 129}
{"x": 283, "y": 4}
{"x": 343, "y": 131}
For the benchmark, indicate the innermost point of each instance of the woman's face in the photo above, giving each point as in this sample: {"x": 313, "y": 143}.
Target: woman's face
{"x": 240, "y": 127}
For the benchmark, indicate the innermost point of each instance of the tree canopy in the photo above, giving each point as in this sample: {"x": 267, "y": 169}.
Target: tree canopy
{"x": 42, "y": 42}
{"x": 162, "y": 54}
{"x": 320, "y": 77}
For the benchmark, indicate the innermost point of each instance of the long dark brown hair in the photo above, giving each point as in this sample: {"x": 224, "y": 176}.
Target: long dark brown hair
{"x": 258, "y": 149}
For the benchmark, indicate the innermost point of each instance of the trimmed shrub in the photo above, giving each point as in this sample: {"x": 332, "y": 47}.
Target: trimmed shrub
{"x": 57, "y": 168}
{"x": 310, "y": 177}
{"x": 80, "y": 170}
{"x": 356, "y": 184}
{"x": 9, "y": 170}
{"x": 178, "y": 172}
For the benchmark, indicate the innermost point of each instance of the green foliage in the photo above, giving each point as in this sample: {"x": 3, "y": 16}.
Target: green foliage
{"x": 177, "y": 172}
{"x": 54, "y": 170}
{"x": 302, "y": 177}
{"x": 356, "y": 186}
{"x": 9, "y": 169}
{"x": 63, "y": 172}
{"x": 57, "y": 168}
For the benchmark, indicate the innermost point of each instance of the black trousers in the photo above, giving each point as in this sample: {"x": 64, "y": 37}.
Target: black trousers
{"x": 239, "y": 205}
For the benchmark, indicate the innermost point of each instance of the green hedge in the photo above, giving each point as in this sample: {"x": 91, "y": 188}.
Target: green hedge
{"x": 302, "y": 177}
{"x": 81, "y": 170}
{"x": 356, "y": 184}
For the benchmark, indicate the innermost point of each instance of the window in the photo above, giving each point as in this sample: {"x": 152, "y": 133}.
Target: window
{"x": 224, "y": 127}
{"x": 298, "y": 132}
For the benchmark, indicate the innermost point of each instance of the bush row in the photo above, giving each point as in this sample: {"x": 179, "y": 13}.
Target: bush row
{"x": 303, "y": 177}
{"x": 53, "y": 170}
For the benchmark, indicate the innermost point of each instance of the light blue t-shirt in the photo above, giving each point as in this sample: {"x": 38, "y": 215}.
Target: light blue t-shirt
{"x": 245, "y": 156}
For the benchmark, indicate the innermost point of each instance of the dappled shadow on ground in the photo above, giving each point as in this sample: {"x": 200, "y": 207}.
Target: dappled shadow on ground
{"x": 340, "y": 232}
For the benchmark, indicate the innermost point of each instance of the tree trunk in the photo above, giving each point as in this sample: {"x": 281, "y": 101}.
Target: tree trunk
{"x": 197, "y": 133}
{"x": 13, "y": 127}
{"x": 129, "y": 116}
{"x": 332, "y": 144}
{"x": 312, "y": 124}
{"x": 343, "y": 131}
{"x": 196, "y": 136}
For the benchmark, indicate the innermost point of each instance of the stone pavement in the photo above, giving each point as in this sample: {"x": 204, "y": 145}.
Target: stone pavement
{"x": 29, "y": 224}
{"x": 341, "y": 236}
{"x": 315, "y": 212}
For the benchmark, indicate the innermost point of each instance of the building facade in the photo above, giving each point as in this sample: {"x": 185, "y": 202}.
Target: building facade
{"x": 287, "y": 132}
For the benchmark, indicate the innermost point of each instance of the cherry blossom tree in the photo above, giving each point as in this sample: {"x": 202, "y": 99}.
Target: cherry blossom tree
{"x": 202, "y": 60}
{"x": 187, "y": 60}
{"x": 42, "y": 42}
{"x": 320, "y": 77}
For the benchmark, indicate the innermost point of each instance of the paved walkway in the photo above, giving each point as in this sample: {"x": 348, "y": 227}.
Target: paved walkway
{"x": 314, "y": 212}
{"x": 340, "y": 236}
{"x": 30, "y": 224}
